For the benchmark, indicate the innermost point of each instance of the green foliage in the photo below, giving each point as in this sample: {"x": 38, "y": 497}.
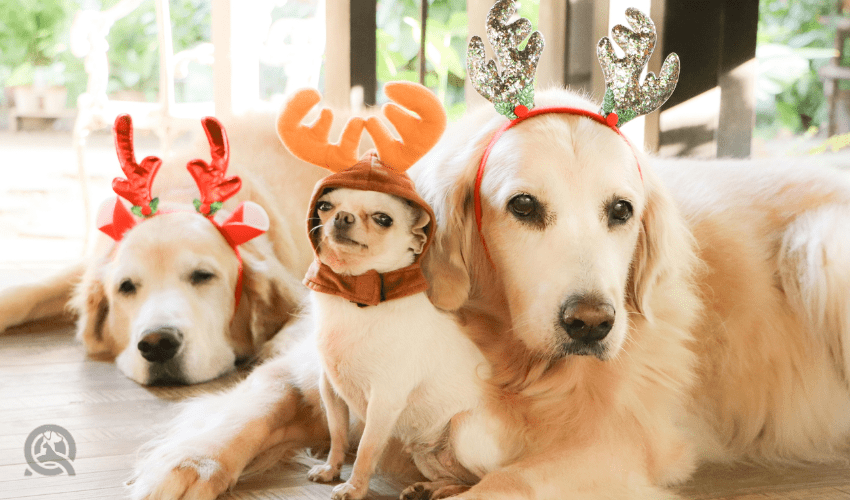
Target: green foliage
{"x": 134, "y": 47}
{"x": 31, "y": 32}
{"x": 445, "y": 52}
{"x": 795, "y": 39}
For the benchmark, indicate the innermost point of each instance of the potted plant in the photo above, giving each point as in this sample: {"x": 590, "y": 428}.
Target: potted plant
{"x": 29, "y": 36}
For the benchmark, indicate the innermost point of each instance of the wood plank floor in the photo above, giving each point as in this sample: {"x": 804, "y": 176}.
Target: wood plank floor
{"x": 45, "y": 378}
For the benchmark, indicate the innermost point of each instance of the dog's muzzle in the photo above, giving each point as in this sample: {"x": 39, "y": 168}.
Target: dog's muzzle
{"x": 587, "y": 319}
{"x": 160, "y": 344}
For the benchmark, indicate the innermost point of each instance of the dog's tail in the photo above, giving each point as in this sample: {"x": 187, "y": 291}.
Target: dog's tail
{"x": 814, "y": 268}
{"x": 38, "y": 300}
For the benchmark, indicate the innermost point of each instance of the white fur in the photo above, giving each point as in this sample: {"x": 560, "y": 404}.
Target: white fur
{"x": 403, "y": 367}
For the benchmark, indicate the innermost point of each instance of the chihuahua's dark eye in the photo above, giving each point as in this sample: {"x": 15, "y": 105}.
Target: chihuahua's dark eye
{"x": 199, "y": 276}
{"x": 383, "y": 220}
{"x": 619, "y": 212}
{"x": 324, "y": 206}
{"x": 127, "y": 287}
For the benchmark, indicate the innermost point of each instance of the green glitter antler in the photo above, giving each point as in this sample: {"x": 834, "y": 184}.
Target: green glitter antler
{"x": 624, "y": 94}
{"x": 513, "y": 89}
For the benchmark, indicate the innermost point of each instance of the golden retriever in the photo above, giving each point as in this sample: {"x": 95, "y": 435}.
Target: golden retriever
{"x": 175, "y": 272}
{"x": 724, "y": 283}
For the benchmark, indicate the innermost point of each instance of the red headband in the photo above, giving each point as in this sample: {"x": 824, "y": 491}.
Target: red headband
{"x": 523, "y": 114}
{"x": 248, "y": 221}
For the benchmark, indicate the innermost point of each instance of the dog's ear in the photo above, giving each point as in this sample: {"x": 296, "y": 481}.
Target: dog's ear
{"x": 270, "y": 298}
{"x": 90, "y": 303}
{"x": 445, "y": 264}
{"x": 418, "y": 230}
{"x": 665, "y": 248}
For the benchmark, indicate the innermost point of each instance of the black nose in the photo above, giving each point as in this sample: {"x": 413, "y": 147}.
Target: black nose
{"x": 160, "y": 344}
{"x": 343, "y": 220}
{"x": 587, "y": 318}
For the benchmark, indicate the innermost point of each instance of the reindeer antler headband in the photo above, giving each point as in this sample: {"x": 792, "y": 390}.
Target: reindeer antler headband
{"x": 384, "y": 171}
{"x": 248, "y": 221}
{"x": 419, "y": 134}
{"x": 512, "y": 91}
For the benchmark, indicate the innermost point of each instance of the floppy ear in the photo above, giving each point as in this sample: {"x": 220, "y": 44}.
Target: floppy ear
{"x": 92, "y": 307}
{"x": 665, "y": 247}
{"x": 271, "y": 297}
{"x": 418, "y": 230}
{"x": 447, "y": 262}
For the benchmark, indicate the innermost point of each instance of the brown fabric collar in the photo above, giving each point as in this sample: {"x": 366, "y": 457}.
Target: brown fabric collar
{"x": 369, "y": 289}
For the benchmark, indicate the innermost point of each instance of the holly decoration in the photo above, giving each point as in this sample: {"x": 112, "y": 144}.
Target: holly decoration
{"x": 148, "y": 210}
{"x": 207, "y": 209}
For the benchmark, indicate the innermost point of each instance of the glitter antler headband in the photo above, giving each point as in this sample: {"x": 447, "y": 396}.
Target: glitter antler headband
{"x": 248, "y": 221}
{"x": 512, "y": 92}
{"x": 625, "y": 96}
{"x": 419, "y": 134}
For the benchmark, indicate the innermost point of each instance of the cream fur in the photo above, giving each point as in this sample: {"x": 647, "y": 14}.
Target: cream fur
{"x": 402, "y": 367}
{"x": 730, "y": 285}
{"x": 162, "y": 252}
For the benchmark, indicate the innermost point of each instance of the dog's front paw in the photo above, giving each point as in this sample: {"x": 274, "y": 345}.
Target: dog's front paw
{"x": 323, "y": 473}
{"x": 433, "y": 490}
{"x": 202, "y": 479}
{"x": 348, "y": 491}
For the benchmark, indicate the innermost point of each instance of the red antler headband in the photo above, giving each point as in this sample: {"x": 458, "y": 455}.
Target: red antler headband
{"x": 248, "y": 221}
{"x": 512, "y": 91}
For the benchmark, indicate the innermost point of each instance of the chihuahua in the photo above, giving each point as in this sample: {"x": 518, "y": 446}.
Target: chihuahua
{"x": 403, "y": 367}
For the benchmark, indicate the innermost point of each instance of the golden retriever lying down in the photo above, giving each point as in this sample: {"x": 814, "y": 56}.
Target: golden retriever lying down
{"x": 730, "y": 336}
{"x": 176, "y": 273}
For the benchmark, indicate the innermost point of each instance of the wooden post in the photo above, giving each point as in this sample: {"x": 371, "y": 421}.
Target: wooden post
{"x": 736, "y": 78}
{"x": 236, "y": 66}
{"x": 337, "y": 53}
{"x": 363, "y": 52}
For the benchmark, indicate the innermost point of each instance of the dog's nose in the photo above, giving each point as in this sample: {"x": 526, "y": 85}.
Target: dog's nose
{"x": 160, "y": 344}
{"x": 586, "y": 318}
{"x": 343, "y": 220}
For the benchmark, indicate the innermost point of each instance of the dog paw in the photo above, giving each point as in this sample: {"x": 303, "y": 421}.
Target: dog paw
{"x": 347, "y": 491}
{"x": 433, "y": 490}
{"x": 201, "y": 479}
{"x": 323, "y": 473}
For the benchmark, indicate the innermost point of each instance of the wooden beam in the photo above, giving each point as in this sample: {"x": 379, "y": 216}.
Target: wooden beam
{"x": 364, "y": 48}
{"x": 736, "y": 77}
{"x": 236, "y": 66}
{"x": 337, "y": 67}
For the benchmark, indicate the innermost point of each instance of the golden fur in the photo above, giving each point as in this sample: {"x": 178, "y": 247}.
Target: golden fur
{"x": 737, "y": 328}
{"x": 161, "y": 252}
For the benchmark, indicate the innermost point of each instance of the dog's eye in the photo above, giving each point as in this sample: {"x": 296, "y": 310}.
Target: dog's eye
{"x": 199, "y": 276}
{"x": 324, "y": 206}
{"x": 523, "y": 205}
{"x": 127, "y": 287}
{"x": 619, "y": 212}
{"x": 383, "y": 220}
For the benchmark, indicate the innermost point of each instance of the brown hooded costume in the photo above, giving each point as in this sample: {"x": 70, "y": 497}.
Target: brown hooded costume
{"x": 419, "y": 133}
{"x": 371, "y": 288}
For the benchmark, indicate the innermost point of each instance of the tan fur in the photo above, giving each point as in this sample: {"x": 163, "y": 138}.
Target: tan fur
{"x": 736, "y": 345}
{"x": 273, "y": 264}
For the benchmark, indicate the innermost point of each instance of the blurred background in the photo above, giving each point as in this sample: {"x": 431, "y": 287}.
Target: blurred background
{"x": 760, "y": 78}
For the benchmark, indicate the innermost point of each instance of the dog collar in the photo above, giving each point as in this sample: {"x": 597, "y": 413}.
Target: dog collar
{"x": 370, "y": 288}
{"x": 248, "y": 221}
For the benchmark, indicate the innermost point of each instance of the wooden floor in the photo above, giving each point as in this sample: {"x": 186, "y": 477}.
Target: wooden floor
{"x": 45, "y": 378}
